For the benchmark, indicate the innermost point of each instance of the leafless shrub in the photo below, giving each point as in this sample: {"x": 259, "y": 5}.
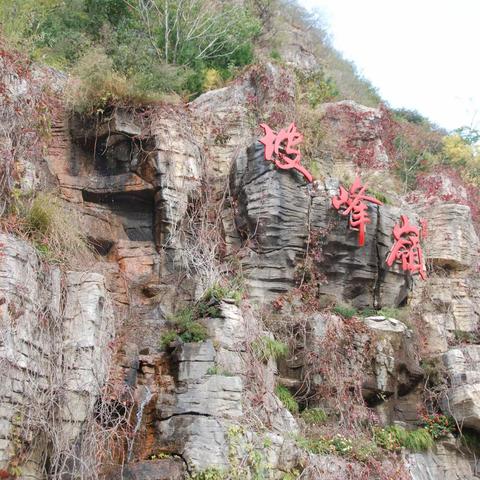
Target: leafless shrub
{"x": 199, "y": 242}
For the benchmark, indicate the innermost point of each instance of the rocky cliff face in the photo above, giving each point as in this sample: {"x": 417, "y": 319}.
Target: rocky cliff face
{"x": 175, "y": 199}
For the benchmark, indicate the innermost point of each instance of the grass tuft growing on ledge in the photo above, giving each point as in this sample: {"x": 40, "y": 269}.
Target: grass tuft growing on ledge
{"x": 186, "y": 328}
{"x": 394, "y": 437}
{"x": 345, "y": 311}
{"x": 314, "y": 416}
{"x": 210, "y": 473}
{"x": 266, "y": 348}
{"x": 52, "y": 227}
{"x": 286, "y": 398}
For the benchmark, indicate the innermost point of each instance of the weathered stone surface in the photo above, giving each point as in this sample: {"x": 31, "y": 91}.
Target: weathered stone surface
{"x": 228, "y": 330}
{"x": 450, "y": 300}
{"x": 164, "y": 469}
{"x": 119, "y": 122}
{"x": 462, "y": 399}
{"x": 216, "y": 395}
{"x": 395, "y": 368}
{"x": 200, "y": 440}
{"x": 353, "y": 135}
{"x": 174, "y": 160}
{"x": 273, "y": 214}
{"x": 43, "y": 342}
{"x": 295, "y": 49}
{"x": 137, "y": 259}
{"x": 445, "y": 462}
{"x": 359, "y": 275}
{"x": 94, "y": 186}
{"x": 452, "y": 241}
{"x": 224, "y": 124}
{"x": 385, "y": 324}
{"x": 194, "y": 360}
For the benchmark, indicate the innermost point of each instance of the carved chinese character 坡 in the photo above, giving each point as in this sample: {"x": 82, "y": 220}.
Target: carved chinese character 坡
{"x": 279, "y": 149}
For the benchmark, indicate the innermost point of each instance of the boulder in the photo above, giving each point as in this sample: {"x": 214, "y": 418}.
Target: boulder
{"x": 395, "y": 369}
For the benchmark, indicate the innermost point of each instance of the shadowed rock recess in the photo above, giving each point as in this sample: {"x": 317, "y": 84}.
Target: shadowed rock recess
{"x": 137, "y": 365}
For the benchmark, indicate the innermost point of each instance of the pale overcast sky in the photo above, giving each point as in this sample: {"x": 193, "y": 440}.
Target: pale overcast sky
{"x": 420, "y": 54}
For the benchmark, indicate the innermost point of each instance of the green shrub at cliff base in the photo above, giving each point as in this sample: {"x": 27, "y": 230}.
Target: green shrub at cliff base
{"x": 418, "y": 440}
{"x": 359, "y": 449}
{"x": 185, "y": 328}
{"x": 211, "y": 473}
{"x": 188, "y": 332}
{"x": 317, "y": 446}
{"x": 167, "y": 338}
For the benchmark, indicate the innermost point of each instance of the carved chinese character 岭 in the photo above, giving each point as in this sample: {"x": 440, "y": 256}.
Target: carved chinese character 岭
{"x": 279, "y": 148}
{"x": 407, "y": 249}
{"x": 353, "y": 201}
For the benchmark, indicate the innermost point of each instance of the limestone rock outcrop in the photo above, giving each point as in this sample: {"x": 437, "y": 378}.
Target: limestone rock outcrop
{"x": 276, "y": 213}
{"x": 445, "y": 462}
{"x": 452, "y": 241}
{"x": 89, "y": 344}
{"x": 395, "y": 369}
{"x": 54, "y": 347}
{"x": 196, "y": 417}
{"x": 463, "y": 396}
{"x": 449, "y": 303}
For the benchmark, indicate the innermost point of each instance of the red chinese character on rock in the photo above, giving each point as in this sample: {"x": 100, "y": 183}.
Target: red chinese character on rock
{"x": 355, "y": 206}
{"x": 279, "y": 149}
{"x": 407, "y": 248}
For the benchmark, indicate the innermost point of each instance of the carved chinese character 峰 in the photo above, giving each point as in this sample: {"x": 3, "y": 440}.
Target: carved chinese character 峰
{"x": 354, "y": 202}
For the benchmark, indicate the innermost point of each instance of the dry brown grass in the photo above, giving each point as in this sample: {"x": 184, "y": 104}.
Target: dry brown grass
{"x": 53, "y": 227}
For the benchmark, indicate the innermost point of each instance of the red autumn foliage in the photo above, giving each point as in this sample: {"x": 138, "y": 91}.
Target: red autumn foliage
{"x": 432, "y": 186}
{"x": 358, "y": 129}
